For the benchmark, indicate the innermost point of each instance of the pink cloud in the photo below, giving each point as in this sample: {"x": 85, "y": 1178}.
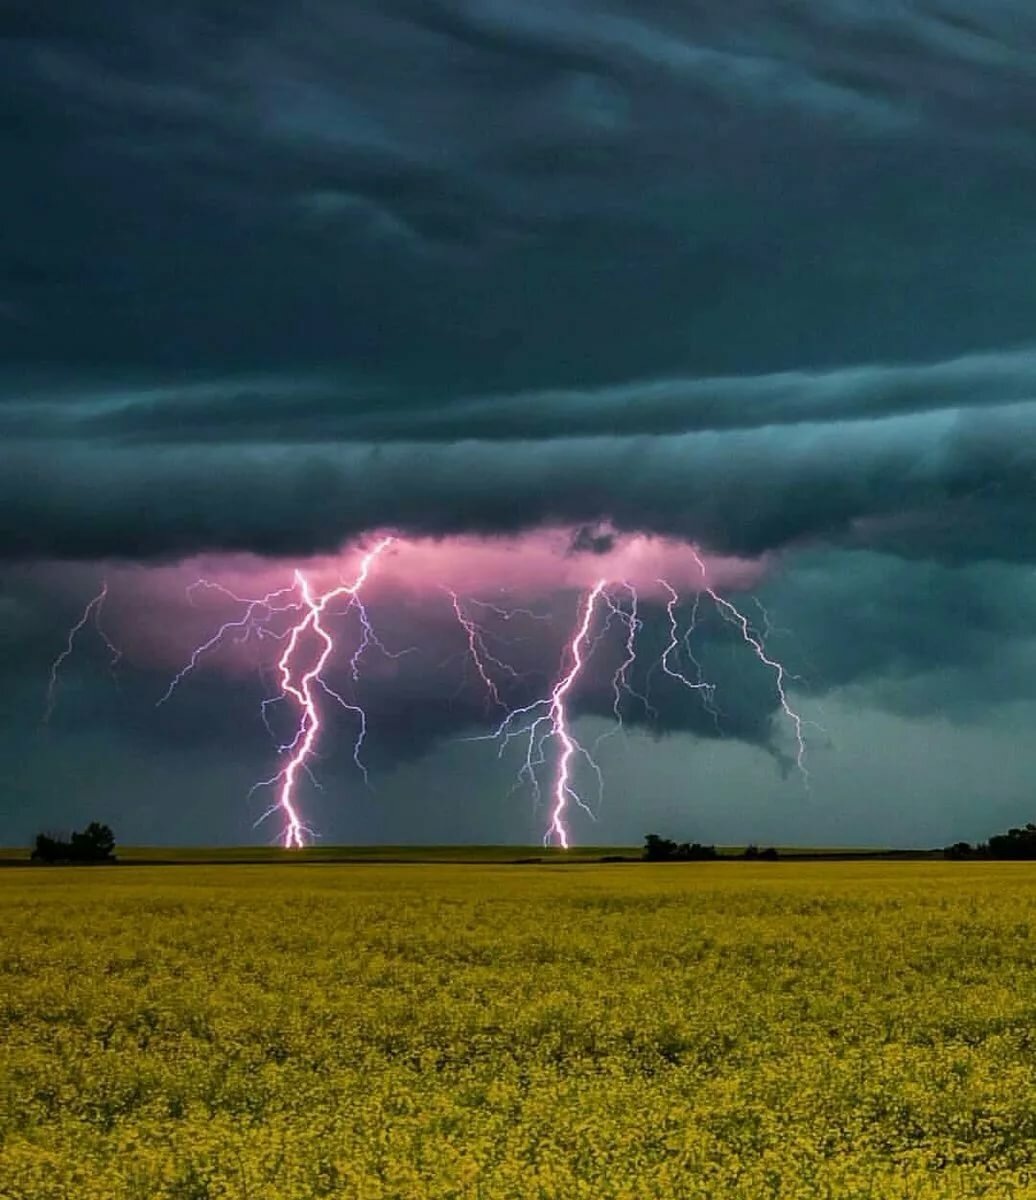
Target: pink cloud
{"x": 157, "y": 620}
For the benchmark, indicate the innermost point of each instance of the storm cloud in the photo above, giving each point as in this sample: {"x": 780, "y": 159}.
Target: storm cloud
{"x": 752, "y": 277}
{"x": 897, "y": 481}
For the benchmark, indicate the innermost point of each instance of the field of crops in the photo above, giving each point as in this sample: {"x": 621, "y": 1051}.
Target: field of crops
{"x": 504, "y": 1032}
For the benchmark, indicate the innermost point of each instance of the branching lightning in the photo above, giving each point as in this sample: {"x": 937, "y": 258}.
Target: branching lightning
{"x": 546, "y": 720}
{"x": 297, "y": 616}
{"x": 91, "y": 611}
{"x": 733, "y": 616}
{"x": 300, "y": 688}
{"x": 478, "y": 652}
{"x": 666, "y": 662}
{"x": 559, "y": 722}
{"x": 254, "y": 621}
{"x": 621, "y": 685}
{"x": 544, "y": 723}
{"x": 296, "y": 682}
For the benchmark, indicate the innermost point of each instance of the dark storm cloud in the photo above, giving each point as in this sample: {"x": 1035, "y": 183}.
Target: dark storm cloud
{"x": 273, "y": 274}
{"x": 272, "y": 409}
{"x": 514, "y": 194}
{"x": 754, "y": 275}
{"x": 592, "y": 540}
{"x": 960, "y": 482}
{"x": 911, "y": 636}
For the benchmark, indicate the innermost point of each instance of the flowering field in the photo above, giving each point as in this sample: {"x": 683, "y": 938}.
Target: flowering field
{"x": 507, "y": 1032}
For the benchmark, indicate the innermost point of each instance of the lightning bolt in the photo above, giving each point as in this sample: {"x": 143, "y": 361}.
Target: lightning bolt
{"x": 296, "y": 683}
{"x": 508, "y": 614}
{"x": 546, "y": 720}
{"x": 297, "y": 618}
{"x": 739, "y": 621}
{"x": 621, "y": 685}
{"x": 93, "y": 609}
{"x": 300, "y": 688}
{"x": 478, "y": 652}
{"x": 706, "y": 689}
{"x": 709, "y": 693}
{"x": 254, "y": 619}
{"x": 559, "y": 721}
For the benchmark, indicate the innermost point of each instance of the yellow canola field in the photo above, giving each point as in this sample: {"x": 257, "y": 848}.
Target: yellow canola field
{"x": 712, "y": 1031}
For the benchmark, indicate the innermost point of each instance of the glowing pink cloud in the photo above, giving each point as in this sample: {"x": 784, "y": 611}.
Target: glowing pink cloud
{"x": 221, "y": 612}
{"x": 161, "y": 614}
{"x": 542, "y": 562}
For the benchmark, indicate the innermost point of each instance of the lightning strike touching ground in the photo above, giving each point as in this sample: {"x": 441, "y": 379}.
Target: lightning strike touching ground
{"x": 294, "y": 683}
{"x": 548, "y": 721}
{"x": 300, "y": 688}
{"x": 736, "y": 618}
{"x": 298, "y": 618}
{"x": 93, "y": 609}
{"x": 559, "y": 719}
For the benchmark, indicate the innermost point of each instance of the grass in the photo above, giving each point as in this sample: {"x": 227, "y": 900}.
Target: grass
{"x": 503, "y": 1032}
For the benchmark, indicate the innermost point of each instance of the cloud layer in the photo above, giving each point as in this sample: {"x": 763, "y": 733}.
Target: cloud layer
{"x": 952, "y": 481}
{"x": 753, "y": 277}
{"x": 271, "y": 277}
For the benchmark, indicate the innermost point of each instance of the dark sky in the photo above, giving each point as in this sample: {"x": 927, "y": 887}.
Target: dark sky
{"x": 758, "y": 276}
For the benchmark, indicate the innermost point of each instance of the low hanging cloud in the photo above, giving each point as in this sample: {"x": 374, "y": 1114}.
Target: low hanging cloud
{"x": 955, "y": 480}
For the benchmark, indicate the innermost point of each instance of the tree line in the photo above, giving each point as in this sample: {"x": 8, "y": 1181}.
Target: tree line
{"x": 1015, "y": 844}
{"x": 1018, "y": 844}
{"x": 660, "y": 849}
{"x": 95, "y": 844}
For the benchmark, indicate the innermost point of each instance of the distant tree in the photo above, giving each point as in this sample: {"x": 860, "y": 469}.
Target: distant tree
{"x": 1018, "y": 844}
{"x": 49, "y": 847}
{"x": 695, "y": 852}
{"x": 95, "y": 844}
{"x": 659, "y": 849}
{"x": 1015, "y": 843}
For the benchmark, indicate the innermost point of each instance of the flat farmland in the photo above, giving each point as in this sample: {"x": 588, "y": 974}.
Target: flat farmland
{"x": 503, "y": 1032}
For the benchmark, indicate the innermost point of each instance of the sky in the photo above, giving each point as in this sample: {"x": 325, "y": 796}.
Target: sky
{"x": 550, "y": 292}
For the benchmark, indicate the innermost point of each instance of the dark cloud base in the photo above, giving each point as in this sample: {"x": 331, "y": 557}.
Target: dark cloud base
{"x": 955, "y": 484}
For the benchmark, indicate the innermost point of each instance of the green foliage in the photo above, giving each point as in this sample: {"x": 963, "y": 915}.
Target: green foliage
{"x": 768, "y": 855}
{"x": 96, "y": 844}
{"x": 660, "y": 849}
{"x": 1016, "y": 844}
